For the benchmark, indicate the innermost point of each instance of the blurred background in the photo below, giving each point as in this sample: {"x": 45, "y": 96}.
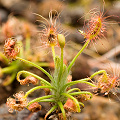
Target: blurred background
{"x": 17, "y": 19}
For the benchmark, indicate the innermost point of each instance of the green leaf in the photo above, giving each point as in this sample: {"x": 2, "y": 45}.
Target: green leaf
{"x": 56, "y": 72}
{"x": 63, "y": 79}
{"x": 59, "y": 81}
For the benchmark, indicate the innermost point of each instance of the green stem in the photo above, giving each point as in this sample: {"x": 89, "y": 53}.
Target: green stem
{"x": 62, "y": 109}
{"x": 34, "y": 75}
{"x": 37, "y": 66}
{"x": 43, "y": 64}
{"x": 74, "y": 99}
{"x": 81, "y": 104}
{"x": 78, "y": 81}
{"x": 61, "y": 64}
{"x": 73, "y": 89}
{"x": 53, "y": 53}
{"x": 9, "y": 69}
{"x": 47, "y": 100}
{"x": 36, "y": 88}
{"x": 85, "y": 45}
{"x": 83, "y": 92}
{"x": 50, "y": 111}
{"x": 98, "y": 72}
{"x": 39, "y": 99}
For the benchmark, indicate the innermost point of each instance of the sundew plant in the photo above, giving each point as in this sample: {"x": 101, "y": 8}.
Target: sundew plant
{"x": 58, "y": 91}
